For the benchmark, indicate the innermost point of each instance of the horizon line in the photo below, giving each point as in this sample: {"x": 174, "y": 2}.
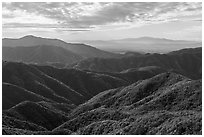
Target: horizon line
{"x": 31, "y": 35}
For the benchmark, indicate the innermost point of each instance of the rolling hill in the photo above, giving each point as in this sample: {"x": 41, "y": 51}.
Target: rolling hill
{"x": 30, "y": 78}
{"x": 58, "y": 85}
{"x": 12, "y": 95}
{"x": 70, "y": 86}
{"x": 37, "y": 114}
{"x": 187, "y": 62}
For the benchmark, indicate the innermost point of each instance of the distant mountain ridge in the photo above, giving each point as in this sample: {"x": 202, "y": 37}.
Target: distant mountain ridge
{"x": 143, "y": 44}
{"x": 83, "y": 50}
{"x": 32, "y": 49}
{"x": 41, "y": 54}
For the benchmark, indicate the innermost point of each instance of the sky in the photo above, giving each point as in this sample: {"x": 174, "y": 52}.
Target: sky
{"x": 78, "y": 21}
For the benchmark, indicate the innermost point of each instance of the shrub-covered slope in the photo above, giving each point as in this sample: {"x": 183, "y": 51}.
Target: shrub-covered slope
{"x": 37, "y": 114}
{"x": 165, "y": 104}
{"x": 12, "y": 95}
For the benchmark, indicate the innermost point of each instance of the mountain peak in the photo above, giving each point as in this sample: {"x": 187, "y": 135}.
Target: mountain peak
{"x": 28, "y": 36}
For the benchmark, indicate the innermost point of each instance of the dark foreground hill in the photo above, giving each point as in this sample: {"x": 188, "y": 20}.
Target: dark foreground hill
{"x": 12, "y": 95}
{"x": 168, "y": 103}
{"x": 187, "y": 62}
{"x": 56, "y": 85}
{"x": 37, "y": 114}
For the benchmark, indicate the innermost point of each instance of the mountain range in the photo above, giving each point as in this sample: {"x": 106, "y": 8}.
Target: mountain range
{"x": 38, "y": 50}
{"x": 143, "y": 44}
{"x": 46, "y": 51}
{"x": 40, "y": 55}
{"x": 50, "y": 87}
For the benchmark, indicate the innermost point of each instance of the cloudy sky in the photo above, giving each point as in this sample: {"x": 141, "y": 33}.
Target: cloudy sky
{"x": 103, "y": 21}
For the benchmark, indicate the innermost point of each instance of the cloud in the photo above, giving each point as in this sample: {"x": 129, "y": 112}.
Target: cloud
{"x": 31, "y": 25}
{"x": 37, "y": 27}
{"x": 76, "y": 30}
{"x": 188, "y": 31}
{"x": 199, "y": 20}
{"x": 7, "y": 16}
{"x": 89, "y": 15}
